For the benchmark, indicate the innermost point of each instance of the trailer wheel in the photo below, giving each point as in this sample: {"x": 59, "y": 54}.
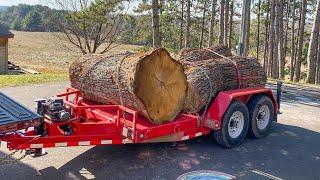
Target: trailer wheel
{"x": 235, "y": 123}
{"x": 261, "y": 113}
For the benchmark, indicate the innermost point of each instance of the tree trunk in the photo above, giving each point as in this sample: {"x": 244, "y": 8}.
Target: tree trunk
{"x": 202, "y": 24}
{"x": 300, "y": 42}
{"x": 271, "y": 39}
{"x": 188, "y": 22}
{"x": 318, "y": 64}
{"x": 158, "y": 93}
{"x": 281, "y": 44}
{"x": 181, "y": 25}
{"x": 155, "y": 24}
{"x": 212, "y": 21}
{"x": 207, "y": 78}
{"x": 265, "y": 55}
{"x": 275, "y": 64}
{"x": 226, "y": 22}
{"x": 247, "y": 32}
{"x": 288, "y": 10}
{"x": 222, "y": 6}
{"x": 292, "y": 41}
{"x": 312, "y": 52}
{"x": 258, "y": 29}
{"x": 231, "y": 24}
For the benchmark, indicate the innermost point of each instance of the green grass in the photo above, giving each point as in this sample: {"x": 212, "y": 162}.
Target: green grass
{"x": 22, "y": 79}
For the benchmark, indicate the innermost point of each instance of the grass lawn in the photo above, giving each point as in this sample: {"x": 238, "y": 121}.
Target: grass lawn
{"x": 46, "y": 53}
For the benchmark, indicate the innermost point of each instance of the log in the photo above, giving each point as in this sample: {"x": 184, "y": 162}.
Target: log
{"x": 208, "y": 77}
{"x": 152, "y": 83}
{"x": 195, "y": 54}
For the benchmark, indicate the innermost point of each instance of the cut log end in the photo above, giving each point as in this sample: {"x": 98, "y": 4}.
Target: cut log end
{"x": 160, "y": 83}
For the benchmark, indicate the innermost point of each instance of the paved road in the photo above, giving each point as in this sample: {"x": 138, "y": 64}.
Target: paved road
{"x": 291, "y": 151}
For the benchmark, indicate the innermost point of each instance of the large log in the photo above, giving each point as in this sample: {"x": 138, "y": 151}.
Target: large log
{"x": 195, "y": 54}
{"x": 208, "y": 77}
{"x": 152, "y": 83}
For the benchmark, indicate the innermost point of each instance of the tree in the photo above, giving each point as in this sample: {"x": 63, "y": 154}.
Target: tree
{"x": 181, "y": 25}
{"x": 318, "y": 65}
{"x": 202, "y": 23}
{"x": 258, "y": 28}
{"x": 312, "y": 52}
{"x": 243, "y": 46}
{"x": 231, "y": 24}
{"x": 188, "y": 23}
{"x": 32, "y": 22}
{"x": 271, "y": 39}
{"x": 212, "y": 21}
{"x": 293, "y": 52}
{"x": 281, "y": 47}
{"x": 226, "y": 22}
{"x": 89, "y": 25}
{"x": 221, "y": 35}
{"x": 155, "y": 24}
{"x": 300, "y": 41}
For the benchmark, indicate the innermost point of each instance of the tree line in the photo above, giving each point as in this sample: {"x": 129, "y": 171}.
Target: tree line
{"x": 284, "y": 35}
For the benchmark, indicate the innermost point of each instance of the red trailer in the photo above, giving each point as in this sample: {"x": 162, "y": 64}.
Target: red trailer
{"x": 70, "y": 120}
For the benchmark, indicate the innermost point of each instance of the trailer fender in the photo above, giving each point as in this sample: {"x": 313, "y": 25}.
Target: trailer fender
{"x": 222, "y": 101}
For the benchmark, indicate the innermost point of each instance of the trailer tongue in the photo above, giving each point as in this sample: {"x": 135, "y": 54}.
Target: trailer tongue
{"x": 69, "y": 120}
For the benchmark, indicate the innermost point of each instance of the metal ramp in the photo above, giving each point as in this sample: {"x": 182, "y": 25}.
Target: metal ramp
{"x": 14, "y": 116}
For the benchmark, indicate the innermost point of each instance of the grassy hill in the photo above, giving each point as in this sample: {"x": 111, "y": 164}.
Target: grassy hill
{"x": 44, "y": 52}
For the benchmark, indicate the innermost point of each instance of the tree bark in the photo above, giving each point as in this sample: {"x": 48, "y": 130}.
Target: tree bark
{"x": 288, "y": 10}
{"x": 312, "y": 52}
{"x": 271, "y": 39}
{"x": 221, "y": 35}
{"x": 155, "y": 24}
{"x": 188, "y": 22}
{"x": 300, "y": 42}
{"x": 226, "y": 22}
{"x": 181, "y": 25}
{"x": 158, "y": 93}
{"x": 247, "y": 32}
{"x": 212, "y": 21}
{"x": 292, "y": 41}
{"x": 281, "y": 43}
{"x": 265, "y": 55}
{"x": 202, "y": 24}
{"x": 275, "y": 64}
{"x": 195, "y": 54}
{"x": 231, "y": 24}
{"x": 208, "y": 77}
{"x": 258, "y": 29}
{"x": 318, "y": 64}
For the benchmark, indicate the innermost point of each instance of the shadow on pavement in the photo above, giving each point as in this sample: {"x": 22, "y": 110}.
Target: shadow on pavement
{"x": 289, "y": 152}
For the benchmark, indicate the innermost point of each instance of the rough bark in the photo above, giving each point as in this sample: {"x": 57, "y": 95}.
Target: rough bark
{"x": 222, "y": 6}
{"x": 258, "y": 29}
{"x": 292, "y": 62}
{"x": 202, "y": 24}
{"x": 247, "y": 32}
{"x": 226, "y": 22}
{"x": 188, "y": 22}
{"x": 318, "y": 65}
{"x": 194, "y": 54}
{"x": 212, "y": 21}
{"x": 312, "y": 52}
{"x": 208, "y": 77}
{"x": 275, "y": 64}
{"x": 155, "y": 24}
{"x": 152, "y": 83}
{"x": 265, "y": 54}
{"x": 300, "y": 42}
{"x": 271, "y": 39}
{"x": 181, "y": 25}
{"x": 231, "y": 24}
{"x": 281, "y": 47}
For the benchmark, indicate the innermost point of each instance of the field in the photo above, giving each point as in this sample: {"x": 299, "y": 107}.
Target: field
{"x": 46, "y": 53}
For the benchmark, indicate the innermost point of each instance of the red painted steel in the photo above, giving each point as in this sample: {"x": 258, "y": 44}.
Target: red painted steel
{"x": 96, "y": 124}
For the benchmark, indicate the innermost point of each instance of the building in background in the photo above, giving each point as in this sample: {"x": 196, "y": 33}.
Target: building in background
{"x": 5, "y": 34}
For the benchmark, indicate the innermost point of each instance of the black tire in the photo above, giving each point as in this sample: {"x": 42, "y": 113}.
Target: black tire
{"x": 254, "y": 106}
{"x": 222, "y": 136}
